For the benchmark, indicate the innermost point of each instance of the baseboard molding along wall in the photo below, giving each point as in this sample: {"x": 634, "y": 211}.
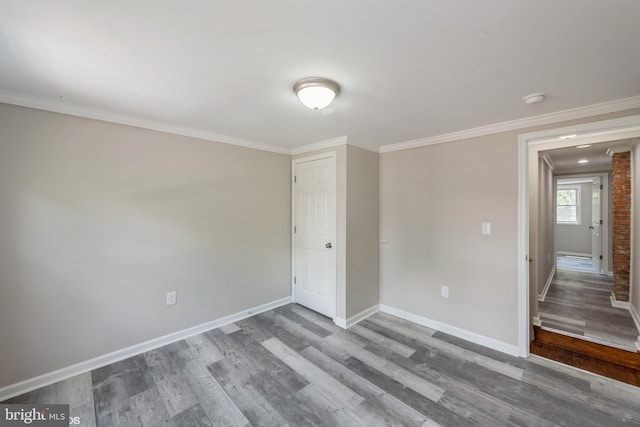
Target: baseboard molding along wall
{"x": 619, "y": 304}
{"x": 347, "y": 323}
{"x": 636, "y": 319}
{"x": 453, "y": 330}
{"x": 545, "y": 289}
{"x": 116, "y": 356}
{"x": 25, "y": 386}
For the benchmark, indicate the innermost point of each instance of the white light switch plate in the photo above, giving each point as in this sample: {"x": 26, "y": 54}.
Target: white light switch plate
{"x": 486, "y": 228}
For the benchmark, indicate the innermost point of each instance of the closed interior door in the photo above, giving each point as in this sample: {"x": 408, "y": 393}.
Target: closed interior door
{"x": 315, "y": 235}
{"x": 596, "y": 235}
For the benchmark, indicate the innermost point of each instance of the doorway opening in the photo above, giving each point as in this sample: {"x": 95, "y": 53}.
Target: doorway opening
{"x": 530, "y": 251}
{"x": 582, "y": 222}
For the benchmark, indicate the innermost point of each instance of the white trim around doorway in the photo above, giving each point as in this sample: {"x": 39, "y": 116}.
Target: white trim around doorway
{"x": 601, "y": 131}
{"x": 294, "y": 162}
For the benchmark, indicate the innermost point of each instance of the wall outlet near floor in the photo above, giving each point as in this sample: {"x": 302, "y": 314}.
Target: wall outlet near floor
{"x": 444, "y": 292}
{"x": 171, "y": 297}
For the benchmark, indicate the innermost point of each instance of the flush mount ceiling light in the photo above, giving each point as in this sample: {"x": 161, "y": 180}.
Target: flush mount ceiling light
{"x": 583, "y": 161}
{"x": 316, "y": 92}
{"x": 534, "y": 98}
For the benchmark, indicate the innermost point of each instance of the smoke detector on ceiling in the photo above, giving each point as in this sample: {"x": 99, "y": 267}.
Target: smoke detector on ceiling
{"x": 534, "y": 98}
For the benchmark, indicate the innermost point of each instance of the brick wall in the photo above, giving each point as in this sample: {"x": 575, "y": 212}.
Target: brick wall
{"x": 621, "y": 182}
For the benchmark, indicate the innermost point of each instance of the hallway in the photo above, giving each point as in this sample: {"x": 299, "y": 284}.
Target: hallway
{"x": 578, "y": 304}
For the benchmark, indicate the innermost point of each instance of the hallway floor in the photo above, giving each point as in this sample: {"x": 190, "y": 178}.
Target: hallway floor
{"x": 576, "y": 263}
{"x": 579, "y": 304}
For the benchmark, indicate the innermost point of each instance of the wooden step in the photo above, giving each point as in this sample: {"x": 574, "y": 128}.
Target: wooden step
{"x": 607, "y": 361}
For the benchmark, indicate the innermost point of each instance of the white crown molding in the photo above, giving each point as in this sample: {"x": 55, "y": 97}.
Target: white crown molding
{"x": 329, "y": 143}
{"x": 124, "y": 119}
{"x": 543, "y": 119}
{"x": 355, "y": 143}
{"x": 548, "y": 161}
{"x": 620, "y": 149}
{"x": 129, "y": 120}
{"x": 25, "y": 386}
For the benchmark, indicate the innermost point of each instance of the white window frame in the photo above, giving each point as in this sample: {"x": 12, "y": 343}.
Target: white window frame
{"x": 578, "y": 190}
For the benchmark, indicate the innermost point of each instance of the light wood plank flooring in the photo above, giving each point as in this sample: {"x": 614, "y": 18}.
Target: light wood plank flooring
{"x": 293, "y": 367}
{"x": 579, "y": 304}
{"x": 568, "y": 262}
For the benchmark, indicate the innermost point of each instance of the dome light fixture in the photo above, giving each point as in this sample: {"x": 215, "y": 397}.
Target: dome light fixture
{"x": 316, "y": 92}
{"x": 534, "y": 98}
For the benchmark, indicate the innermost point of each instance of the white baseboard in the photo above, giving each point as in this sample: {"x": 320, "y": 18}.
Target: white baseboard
{"x": 25, "y": 386}
{"x": 581, "y": 254}
{"x": 340, "y": 321}
{"x": 619, "y": 304}
{"x": 635, "y": 316}
{"x": 453, "y": 330}
{"x": 547, "y": 284}
{"x": 347, "y": 323}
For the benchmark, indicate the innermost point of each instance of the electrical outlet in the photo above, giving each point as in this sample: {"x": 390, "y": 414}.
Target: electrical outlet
{"x": 444, "y": 292}
{"x": 171, "y": 297}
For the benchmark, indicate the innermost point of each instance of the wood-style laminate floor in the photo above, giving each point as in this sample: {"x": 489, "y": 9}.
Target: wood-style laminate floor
{"x": 293, "y": 367}
{"x": 579, "y": 304}
{"x": 575, "y": 263}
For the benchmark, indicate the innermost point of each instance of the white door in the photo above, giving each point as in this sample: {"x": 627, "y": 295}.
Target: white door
{"x": 596, "y": 227}
{"x": 315, "y": 235}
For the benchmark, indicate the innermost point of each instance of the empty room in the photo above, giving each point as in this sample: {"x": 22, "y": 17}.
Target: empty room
{"x": 279, "y": 213}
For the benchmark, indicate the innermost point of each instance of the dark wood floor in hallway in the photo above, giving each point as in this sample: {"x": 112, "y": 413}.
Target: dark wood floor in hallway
{"x": 293, "y": 367}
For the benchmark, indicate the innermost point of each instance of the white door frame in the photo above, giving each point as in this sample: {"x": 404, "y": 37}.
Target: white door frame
{"x": 588, "y": 133}
{"x": 604, "y": 214}
{"x": 294, "y": 162}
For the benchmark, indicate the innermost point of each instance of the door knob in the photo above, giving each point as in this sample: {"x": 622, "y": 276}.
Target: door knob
{"x": 328, "y": 246}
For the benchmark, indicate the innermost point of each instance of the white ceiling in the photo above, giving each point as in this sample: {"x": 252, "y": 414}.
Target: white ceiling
{"x": 565, "y": 160}
{"x": 408, "y": 69}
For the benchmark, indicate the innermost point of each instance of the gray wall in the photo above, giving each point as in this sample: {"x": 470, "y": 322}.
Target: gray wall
{"x": 363, "y": 236}
{"x": 577, "y": 238}
{"x": 433, "y": 201}
{"x": 546, "y": 251}
{"x": 99, "y": 221}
